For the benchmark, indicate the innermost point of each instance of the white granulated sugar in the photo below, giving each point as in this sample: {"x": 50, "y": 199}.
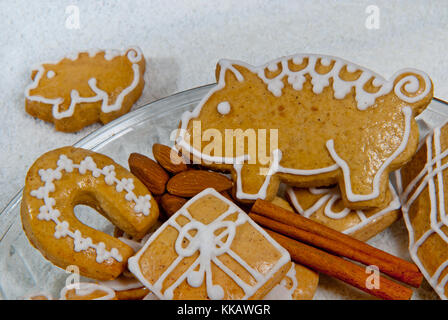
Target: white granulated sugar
{"x": 183, "y": 40}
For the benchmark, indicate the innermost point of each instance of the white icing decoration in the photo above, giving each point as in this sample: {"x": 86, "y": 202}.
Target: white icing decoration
{"x": 150, "y": 296}
{"x": 341, "y": 87}
{"x": 224, "y": 107}
{"x": 352, "y": 68}
{"x": 274, "y": 168}
{"x": 134, "y": 55}
{"x": 85, "y": 288}
{"x": 272, "y": 67}
{"x": 281, "y": 291}
{"x": 122, "y": 284}
{"x": 319, "y": 81}
{"x": 411, "y": 84}
{"x": 437, "y": 215}
{"x": 407, "y": 111}
{"x": 325, "y": 62}
{"x": 329, "y": 196}
{"x": 50, "y": 74}
{"x": 48, "y": 212}
{"x": 210, "y": 246}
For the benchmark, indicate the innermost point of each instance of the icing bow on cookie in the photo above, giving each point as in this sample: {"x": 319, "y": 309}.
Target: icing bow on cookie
{"x": 210, "y": 245}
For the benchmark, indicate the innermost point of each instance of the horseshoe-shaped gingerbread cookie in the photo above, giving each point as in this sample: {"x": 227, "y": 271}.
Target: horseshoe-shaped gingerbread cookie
{"x": 63, "y": 178}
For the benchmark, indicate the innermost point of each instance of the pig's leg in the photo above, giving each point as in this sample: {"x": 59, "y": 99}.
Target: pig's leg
{"x": 253, "y": 181}
{"x": 362, "y": 186}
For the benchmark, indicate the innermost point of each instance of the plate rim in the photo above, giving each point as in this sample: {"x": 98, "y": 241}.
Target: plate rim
{"x": 106, "y": 128}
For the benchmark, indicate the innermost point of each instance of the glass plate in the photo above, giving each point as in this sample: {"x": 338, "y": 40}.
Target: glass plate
{"x": 24, "y": 271}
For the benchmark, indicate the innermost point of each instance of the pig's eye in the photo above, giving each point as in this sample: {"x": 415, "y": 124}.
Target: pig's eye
{"x": 224, "y": 107}
{"x": 50, "y": 74}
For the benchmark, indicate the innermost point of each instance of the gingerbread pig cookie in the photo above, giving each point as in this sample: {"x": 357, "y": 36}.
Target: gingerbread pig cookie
{"x": 325, "y": 206}
{"x": 93, "y": 86}
{"x": 424, "y": 202}
{"x": 309, "y": 121}
{"x": 210, "y": 249}
{"x": 65, "y": 177}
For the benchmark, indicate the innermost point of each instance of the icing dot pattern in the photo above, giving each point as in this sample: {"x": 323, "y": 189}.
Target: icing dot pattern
{"x": 341, "y": 87}
{"x": 48, "y": 212}
{"x": 224, "y": 107}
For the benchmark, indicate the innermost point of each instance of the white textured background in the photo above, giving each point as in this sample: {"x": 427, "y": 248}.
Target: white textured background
{"x": 183, "y": 40}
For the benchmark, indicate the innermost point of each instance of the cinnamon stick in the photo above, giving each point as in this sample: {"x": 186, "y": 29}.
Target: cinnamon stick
{"x": 329, "y": 245}
{"x": 338, "y": 243}
{"x": 341, "y": 269}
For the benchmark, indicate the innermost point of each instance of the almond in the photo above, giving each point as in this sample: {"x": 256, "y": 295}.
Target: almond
{"x": 149, "y": 172}
{"x": 169, "y": 158}
{"x": 190, "y": 183}
{"x": 171, "y": 204}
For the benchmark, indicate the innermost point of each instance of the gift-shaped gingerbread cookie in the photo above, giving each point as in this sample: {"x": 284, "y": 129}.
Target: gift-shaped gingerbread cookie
{"x": 424, "y": 181}
{"x": 89, "y": 87}
{"x": 307, "y": 120}
{"x": 210, "y": 249}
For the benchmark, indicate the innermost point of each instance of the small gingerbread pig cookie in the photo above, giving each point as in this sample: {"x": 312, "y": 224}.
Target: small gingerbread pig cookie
{"x": 99, "y": 85}
{"x": 309, "y": 121}
{"x": 63, "y": 178}
{"x": 424, "y": 182}
{"x": 325, "y": 206}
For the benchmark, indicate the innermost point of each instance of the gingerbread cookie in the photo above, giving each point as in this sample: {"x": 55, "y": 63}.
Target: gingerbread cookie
{"x": 424, "y": 202}
{"x": 126, "y": 288}
{"x": 87, "y": 291}
{"x": 39, "y": 296}
{"x": 300, "y": 283}
{"x": 210, "y": 249}
{"x": 325, "y": 206}
{"x": 98, "y": 85}
{"x": 65, "y": 177}
{"x": 309, "y": 121}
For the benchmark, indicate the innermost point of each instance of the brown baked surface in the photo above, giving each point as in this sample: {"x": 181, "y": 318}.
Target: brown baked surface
{"x": 73, "y": 189}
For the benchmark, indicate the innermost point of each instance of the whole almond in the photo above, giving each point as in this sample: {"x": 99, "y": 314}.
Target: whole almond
{"x": 190, "y": 183}
{"x": 149, "y": 172}
{"x": 168, "y": 158}
{"x": 171, "y": 204}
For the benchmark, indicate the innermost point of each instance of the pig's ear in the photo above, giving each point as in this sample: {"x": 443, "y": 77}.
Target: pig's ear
{"x": 230, "y": 70}
{"x": 34, "y": 74}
